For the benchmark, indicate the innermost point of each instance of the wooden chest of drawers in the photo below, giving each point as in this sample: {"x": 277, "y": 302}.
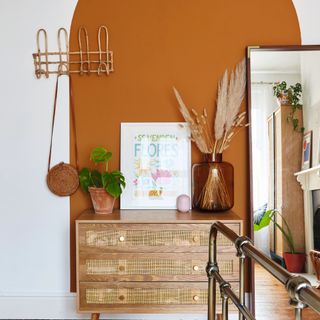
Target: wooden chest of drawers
{"x": 149, "y": 261}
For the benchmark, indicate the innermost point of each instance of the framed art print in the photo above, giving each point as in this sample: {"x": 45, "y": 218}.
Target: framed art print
{"x": 306, "y": 150}
{"x": 156, "y": 162}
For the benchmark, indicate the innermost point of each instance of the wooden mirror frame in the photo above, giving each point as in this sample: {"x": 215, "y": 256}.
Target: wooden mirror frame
{"x": 250, "y": 224}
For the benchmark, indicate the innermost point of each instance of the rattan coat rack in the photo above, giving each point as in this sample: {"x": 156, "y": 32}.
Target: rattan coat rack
{"x": 64, "y": 62}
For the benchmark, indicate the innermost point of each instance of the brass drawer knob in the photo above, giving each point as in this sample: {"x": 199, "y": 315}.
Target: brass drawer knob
{"x": 121, "y": 238}
{"x": 121, "y": 297}
{"x": 195, "y": 239}
{"x": 195, "y": 298}
{"x": 195, "y": 268}
{"x": 121, "y": 268}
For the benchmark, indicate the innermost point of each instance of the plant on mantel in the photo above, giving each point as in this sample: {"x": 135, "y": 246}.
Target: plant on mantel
{"x": 291, "y": 96}
{"x": 104, "y": 187}
{"x": 229, "y": 120}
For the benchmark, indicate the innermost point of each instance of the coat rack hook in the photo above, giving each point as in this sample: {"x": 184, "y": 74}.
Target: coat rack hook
{"x": 39, "y": 70}
{"x": 64, "y": 64}
{"x": 87, "y": 62}
{"x": 104, "y": 66}
{"x": 83, "y": 61}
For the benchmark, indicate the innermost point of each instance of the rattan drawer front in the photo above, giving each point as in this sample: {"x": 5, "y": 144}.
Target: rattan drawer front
{"x": 146, "y": 296}
{"x": 153, "y": 267}
{"x": 150, "y": 237}
{"x": 105, "y": 296}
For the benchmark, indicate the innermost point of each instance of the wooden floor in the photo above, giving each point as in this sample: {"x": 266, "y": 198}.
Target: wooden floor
{"x": 272, "y": 300}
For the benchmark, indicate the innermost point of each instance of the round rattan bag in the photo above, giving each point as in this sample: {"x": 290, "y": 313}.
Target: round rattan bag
{"x": 63, "y": 179}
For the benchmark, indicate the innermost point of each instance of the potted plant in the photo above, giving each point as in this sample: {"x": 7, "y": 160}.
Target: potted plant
{"x": 289, "y": 96}
{"x": 281, "y": 92}
{"x": 104, "y": 187}
{"x": 294, "y": 260}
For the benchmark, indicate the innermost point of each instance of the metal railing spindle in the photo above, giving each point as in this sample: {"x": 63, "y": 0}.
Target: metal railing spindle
{"x": 299, "y": 289}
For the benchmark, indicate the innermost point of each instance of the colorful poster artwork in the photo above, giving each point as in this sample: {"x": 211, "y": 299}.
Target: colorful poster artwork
{"x": 156, "y": 161}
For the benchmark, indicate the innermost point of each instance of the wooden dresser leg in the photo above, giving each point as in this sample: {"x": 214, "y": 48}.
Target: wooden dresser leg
{"x": 95, "y": 316}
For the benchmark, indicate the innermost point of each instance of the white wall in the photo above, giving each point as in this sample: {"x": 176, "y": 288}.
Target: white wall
{"x": 34, "y": 224}
{"x": 310, "y": 75}
{"x": 264, "y": 103}
{"x": 308, "y": 15}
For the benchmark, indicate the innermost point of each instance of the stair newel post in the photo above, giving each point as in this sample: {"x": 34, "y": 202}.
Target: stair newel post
{"x": 240, "y": 241}
{"x": 212, "y": 267}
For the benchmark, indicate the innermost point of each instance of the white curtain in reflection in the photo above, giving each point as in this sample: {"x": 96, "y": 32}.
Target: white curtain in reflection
{"x": 263, "y": 103}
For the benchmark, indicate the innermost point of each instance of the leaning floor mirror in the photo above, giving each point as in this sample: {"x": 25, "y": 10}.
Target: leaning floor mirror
{"x": 284, "y": 108}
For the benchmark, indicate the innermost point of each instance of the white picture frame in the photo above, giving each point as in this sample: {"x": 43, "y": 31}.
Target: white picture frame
{"x": 156, "y": 162}
{"x": 306, "y": 150}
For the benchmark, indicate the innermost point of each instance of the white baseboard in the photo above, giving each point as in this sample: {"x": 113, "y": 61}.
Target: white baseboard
{"x": 63, "y": 306}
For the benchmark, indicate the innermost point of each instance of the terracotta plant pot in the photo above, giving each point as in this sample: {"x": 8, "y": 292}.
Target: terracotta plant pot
{"x": 315, "y": 259}
{"x": 102, "y": 201}
{"x": 294, "y": 261}
{"x": 283, "y": 99}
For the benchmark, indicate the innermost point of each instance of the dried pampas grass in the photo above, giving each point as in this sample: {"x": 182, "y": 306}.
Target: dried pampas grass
{"x": 200, "y": 131}
{"x": 221, "y": 113}
{"x": 236, "y": 91}
{"x": 228, "y": 119}
{"x": 215, "y": 194}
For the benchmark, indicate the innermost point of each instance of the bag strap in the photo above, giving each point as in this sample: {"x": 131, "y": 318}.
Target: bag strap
{"x": 74, "y": 127}
{"x": 73, "y": 119}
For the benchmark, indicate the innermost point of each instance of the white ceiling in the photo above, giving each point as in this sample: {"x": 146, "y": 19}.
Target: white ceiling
{"x": 275, "y": 62}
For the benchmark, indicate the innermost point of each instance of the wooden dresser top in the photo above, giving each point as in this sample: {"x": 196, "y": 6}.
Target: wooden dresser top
{"x": 157, "y": 216}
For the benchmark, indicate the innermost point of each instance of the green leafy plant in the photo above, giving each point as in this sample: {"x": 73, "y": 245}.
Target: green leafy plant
{"x": 293, "y": 93}
{"x": 113, "y": 182}
{"x": 279, "y": 88}
{"x": 270, "y": 215}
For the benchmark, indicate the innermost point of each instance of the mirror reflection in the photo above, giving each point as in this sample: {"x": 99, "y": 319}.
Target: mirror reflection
{"x": 285, "y": 126}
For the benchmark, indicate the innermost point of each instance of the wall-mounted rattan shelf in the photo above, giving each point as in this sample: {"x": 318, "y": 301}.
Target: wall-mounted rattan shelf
{"x": 64, "y": 62}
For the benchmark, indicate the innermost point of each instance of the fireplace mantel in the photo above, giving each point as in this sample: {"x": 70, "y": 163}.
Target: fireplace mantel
{"x": 309, "y": 180}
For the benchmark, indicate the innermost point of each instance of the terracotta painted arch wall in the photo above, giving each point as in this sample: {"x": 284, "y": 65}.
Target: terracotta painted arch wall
{"x": 158, "y": 44}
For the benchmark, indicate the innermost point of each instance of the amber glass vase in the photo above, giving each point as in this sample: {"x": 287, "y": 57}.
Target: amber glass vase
{"x": 212, "y": 184}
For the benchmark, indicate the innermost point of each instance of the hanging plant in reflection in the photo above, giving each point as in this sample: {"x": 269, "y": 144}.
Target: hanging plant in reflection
{"x": 290, "y": 96}
{"x": 215, "y": 193}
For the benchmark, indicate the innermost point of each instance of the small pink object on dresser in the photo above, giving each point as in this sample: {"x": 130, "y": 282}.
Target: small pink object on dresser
{"x": 183, "y": 203}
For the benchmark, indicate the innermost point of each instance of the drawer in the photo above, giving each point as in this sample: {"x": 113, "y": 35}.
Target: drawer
{"x": 104, "y": 237}
{"x": 145, "y": 297}
{"x": 153, "y": 267}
